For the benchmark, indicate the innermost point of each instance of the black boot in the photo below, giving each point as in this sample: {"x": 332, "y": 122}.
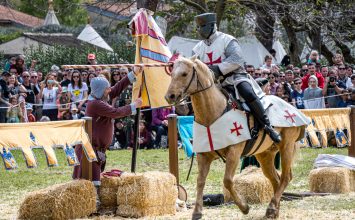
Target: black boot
{"x": 257, "y": 109}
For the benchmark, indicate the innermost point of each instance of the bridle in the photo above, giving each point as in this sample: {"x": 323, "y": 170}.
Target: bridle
{"x": 198, "y": 83}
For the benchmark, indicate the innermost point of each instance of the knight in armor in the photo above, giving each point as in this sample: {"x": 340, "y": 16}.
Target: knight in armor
{"x": 222, "y": 53}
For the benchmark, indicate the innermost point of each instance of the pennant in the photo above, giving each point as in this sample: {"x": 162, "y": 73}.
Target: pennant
{"x": 89, "y": 153}
{"x": 8, "y": 159}
{"x": 151, "y": 47}
{"x": 30, "y": 158}
{"x": 50, "y": 156}
{"x": 341, "y": 139}
{"x": 70, "y": 155}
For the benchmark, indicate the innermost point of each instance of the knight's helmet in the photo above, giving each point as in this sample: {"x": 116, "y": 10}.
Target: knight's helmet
{"x": 148, "y": 4}
{"x": 206, "y": 24}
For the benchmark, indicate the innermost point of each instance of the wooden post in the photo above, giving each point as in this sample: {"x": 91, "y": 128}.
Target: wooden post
{"x": 351, "y": 148}
{"x": 135, "y": 140}
{"x": 173, "y": 147}
{"x": 86, "y": 168}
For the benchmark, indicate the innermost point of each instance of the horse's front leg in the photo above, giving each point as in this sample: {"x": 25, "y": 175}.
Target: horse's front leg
{"x": 204, "y": 163}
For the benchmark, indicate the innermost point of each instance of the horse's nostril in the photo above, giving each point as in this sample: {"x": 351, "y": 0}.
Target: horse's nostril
{"x": 172, "y": 96}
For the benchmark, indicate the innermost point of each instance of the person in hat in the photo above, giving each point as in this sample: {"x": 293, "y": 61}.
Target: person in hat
{"x": 222, "y": 53}
{"x": 63, "y": 103}
{"x": 92, "y": 59}
{"x": 102, "y": 114}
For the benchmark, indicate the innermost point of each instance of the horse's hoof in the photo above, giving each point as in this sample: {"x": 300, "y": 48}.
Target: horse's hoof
{"x": 272, "y": 213}
{"x": 246, "y": 210}
{"x": 196, "y": 216}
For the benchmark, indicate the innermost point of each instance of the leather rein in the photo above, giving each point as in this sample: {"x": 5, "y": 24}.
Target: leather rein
{"x": 198, "y": 83}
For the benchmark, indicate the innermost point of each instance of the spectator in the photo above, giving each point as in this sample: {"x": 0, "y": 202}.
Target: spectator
{"x": 343, "y": 80}
{"x": 349, "y": 71}
{"x": 9, "y": 63}
{"x": 313, "y": 97}
{"x": 30, "y": 116}
{"x": 281, "y": 92}
{"x": 331, "y": 89}
{"x": 32, "y": 92}
{"x": 338, "y": 59}
{"x": 352, "y": 78}
{"x": 91, "y": 59}
{"x": 34, "y": 80}
{"x": 264, "y": 85}
{"x": 289, "y": 78}
{"x": 54, "y": 74}
{"x": 281, "y": 78}
{"x": 250, "y": 70}
{"x": 75, "y": 112}
{"x": 105, "y": 73}
{"x": 313, "y": 57}
{"x": 160, "y": 124}
{"x": 297, "y": 72}
{"x": 312, "y": 72}
{"x": 268, "y": 63}
{"x": 20, "y": 65}
{"x": 4, "y": 96}
{"x": 78, "y": 90}
{"x": 91, "y": 75}
{"x": 14, "y": 87}
{"x": 145, "y": 136}
{"x": 273, "y": 83}
{"x": 121, "y": 134}
{"x": 304, "y": 70}
{"x": 14, "y": 113}
{"x": 66, "y": 78}
{"x": 297, "y": 94}
{"x": 264, "y": 73}
{"x": 84, "y": 76}
{"x": 286, "y": 60}
{"x": 257, "y": 73}
{"x": 49, "y": 94}
{"x": 324, "y": 70}
{"x": 40, "y": 76}
{"x": 63, "y": 103}
{"x": 345, "y": 99}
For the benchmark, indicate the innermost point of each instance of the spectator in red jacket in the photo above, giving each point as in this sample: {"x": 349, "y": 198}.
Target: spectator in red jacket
{"x": 311, "y": 72}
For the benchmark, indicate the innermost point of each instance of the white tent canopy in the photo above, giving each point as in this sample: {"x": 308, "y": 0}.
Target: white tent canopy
{"x": 252, "y": 50}
{"x": 51, "y": 19}
{"x": 90, "y": 36}
{"x": 280, "y": 51}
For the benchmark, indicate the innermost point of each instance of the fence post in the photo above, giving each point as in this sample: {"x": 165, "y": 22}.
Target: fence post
{"x": 351, "y": 148}
{"x": 86, "y": 166}
{"x": 173, "y": 146}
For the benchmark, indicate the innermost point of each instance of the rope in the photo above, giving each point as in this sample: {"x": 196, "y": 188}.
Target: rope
{"x": 116, "y": 65}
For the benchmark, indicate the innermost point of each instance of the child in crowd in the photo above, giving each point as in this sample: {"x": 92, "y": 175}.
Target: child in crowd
{"x": 144, "y": 139}
{"x": 14, "y": 113}
{"x": 297, "y": 94}
{"x": 30, "y": 116}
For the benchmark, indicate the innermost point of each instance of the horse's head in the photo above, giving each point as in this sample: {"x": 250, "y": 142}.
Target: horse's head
{"x": 188, "y": 77}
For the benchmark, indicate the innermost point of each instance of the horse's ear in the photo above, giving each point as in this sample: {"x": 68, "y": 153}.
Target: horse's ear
{"x": 193, "y": 58}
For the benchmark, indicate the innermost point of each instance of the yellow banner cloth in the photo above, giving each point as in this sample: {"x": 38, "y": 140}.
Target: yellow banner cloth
{"x": 46, "y": 135}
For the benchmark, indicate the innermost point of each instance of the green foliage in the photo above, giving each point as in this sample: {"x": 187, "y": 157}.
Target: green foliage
{"x": 9, "y": 36}
{"x": 69, "y": 13}
{"x": 61, "y": 55}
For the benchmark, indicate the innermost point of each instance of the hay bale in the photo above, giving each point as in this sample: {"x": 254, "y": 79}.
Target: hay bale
{"x": 70, "y": 200}
{"x": 108, "y": 192}
{"x": 252, "y": 185}
{"x": 147, "y": 194}
{"x": 332, "y": 180}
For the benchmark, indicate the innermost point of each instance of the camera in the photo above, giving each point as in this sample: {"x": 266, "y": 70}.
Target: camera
{"x": 331, "y": 79}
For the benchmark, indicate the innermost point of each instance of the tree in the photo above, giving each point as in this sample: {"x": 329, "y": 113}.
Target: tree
{"x": 69, "y": 13}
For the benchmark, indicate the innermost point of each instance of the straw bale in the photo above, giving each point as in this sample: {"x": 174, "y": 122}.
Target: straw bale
{"x": 252, "y": 185}
{"x": 70, "y": 200}
{"x": 147, "y": 194}
{"x": 332, "y": 180}
{"x": 108, "y": 191}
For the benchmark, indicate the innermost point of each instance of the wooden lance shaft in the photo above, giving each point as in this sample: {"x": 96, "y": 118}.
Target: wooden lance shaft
{"x": 351, "y": 148}
{"x": 173, "y": 146}
{"x": 86, "y": 165}
{"x": 136, "y": 141}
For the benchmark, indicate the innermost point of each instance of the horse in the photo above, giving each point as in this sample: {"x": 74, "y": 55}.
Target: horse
{"x": 191, "y": 77}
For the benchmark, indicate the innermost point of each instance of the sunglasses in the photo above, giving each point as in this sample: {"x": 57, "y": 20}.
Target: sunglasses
{"x": 33, "y": 77}
{"x": 25, "y": 76}
{"x": 76, "y": 77}
{"x": 115, "y": 74}
{"x": 342, "y": 68}
{"x": 282, "y": 76}
{"x": 305, "y": 70}
{"x": 84, "y": 74}
{"x": 250, "y": 71}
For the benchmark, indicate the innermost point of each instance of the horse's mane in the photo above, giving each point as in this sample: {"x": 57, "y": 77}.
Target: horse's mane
{"x": 201, "y": 67}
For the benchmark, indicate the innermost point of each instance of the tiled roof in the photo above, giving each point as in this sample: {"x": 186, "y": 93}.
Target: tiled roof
{"x": 10, "y": 15}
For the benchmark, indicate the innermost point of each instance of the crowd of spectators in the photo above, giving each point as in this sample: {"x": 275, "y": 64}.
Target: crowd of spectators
{"x": 28, "y": 95}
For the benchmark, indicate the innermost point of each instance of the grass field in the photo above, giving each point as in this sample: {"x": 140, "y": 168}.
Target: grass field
{"x": 15, "y": 185}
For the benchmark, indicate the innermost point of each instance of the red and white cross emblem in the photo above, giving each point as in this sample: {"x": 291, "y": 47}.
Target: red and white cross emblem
{"x": 236, "y": 128}
{"x": 210, "y": 57}
{"x": 290, "y": 116}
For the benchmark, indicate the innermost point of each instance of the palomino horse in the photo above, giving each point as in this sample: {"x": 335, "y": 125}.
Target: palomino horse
{"x": 192, "y": 77}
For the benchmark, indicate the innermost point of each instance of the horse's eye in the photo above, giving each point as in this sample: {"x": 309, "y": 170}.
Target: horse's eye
{"x": 184, "y": 74}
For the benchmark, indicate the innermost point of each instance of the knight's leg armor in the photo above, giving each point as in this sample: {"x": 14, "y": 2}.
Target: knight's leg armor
{"x": 246, "y": 91}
